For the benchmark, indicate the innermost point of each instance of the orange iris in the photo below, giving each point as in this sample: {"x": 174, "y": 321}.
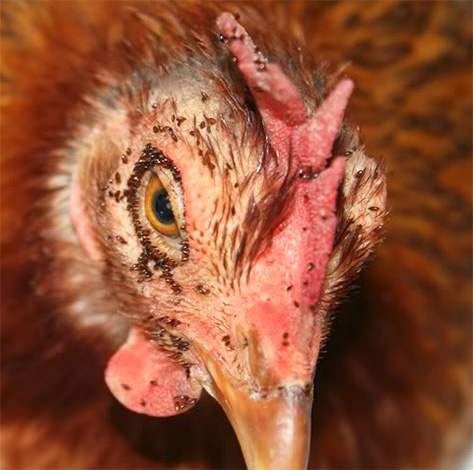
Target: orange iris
{"x": 158, "y": 208}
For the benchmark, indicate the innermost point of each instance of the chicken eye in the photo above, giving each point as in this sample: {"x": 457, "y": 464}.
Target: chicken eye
{"x": 159, "y": 209}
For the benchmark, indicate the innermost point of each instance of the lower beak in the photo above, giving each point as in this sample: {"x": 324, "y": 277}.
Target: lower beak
{"x": 274, "y": 431}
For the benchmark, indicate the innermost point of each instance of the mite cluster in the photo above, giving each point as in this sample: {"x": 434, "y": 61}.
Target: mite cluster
{"x": 308, "y": 173}
{"x": 168, "y": 129}
{"x": 157, "y": 332}
{"x": 202, "y": 290}
{"x": 239, "y": 34}
{"x": 150, "y": 158}
{"x": 227, "y": 342}
{"x": 117, "y": 179}
{"x": 285, "y": 338}
{"x": 183, "y": 401}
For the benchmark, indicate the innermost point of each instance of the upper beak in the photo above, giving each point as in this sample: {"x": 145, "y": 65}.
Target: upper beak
{"x": 273, "y": 431}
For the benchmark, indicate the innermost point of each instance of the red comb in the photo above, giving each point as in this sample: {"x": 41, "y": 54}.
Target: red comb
{"x": 280, "y": 104}
{"x": 312, "y": 141}
{"x": 307, "y": 141}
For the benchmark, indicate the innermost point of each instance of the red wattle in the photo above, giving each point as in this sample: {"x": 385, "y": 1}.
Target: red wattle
{"x": 145, "y": 380}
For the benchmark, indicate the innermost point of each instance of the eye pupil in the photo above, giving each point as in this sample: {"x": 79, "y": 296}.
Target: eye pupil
{"x": 162, "y": 207}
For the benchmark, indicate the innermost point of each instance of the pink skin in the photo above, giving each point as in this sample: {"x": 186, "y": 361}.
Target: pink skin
{"x": 154, "y": 386}
{"x": 278, "y": 302}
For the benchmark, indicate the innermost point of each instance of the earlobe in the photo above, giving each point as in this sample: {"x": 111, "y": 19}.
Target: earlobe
{"x": 81, "y": 222}
{"x": 146, "y": 380}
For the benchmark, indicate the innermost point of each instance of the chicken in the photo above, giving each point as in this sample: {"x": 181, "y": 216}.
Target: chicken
{"x": 184, "y": 209}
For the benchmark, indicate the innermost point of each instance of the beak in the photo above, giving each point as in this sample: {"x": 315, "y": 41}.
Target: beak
{"x": 274, "y": 432}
